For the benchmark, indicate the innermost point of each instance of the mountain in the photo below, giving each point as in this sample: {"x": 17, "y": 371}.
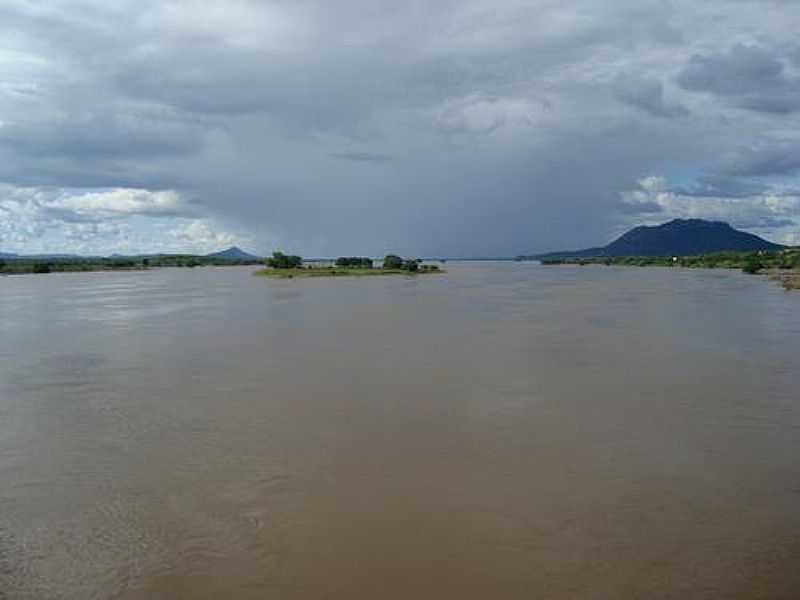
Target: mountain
{"x": 7, "y": 255}
{"x": 233, "y": 253}
{"x": 680, "y": 237}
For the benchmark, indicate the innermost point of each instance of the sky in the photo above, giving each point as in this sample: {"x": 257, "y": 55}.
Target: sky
{"x": 322, "y": 128}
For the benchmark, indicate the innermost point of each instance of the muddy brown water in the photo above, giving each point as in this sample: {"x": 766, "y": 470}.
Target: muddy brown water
{"x": 502, "y": 431}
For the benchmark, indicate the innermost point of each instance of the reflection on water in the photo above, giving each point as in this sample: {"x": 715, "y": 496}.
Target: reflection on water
{"x": 502, "y": 431}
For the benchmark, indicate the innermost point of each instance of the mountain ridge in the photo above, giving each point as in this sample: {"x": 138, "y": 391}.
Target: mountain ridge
{"x": 234, "y": 253}
{"x": 679, "y": 237}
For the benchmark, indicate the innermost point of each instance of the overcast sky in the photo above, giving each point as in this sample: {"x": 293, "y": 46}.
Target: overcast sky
{"x": 327, "y": 127}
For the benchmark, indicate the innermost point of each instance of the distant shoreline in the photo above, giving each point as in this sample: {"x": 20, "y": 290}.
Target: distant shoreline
{"x": 781, "y": 265}
{"x": 42, "y": 265}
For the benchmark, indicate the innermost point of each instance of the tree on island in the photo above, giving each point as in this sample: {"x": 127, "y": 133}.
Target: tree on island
{"x": 392, "y": 261}
{"x": 279, "y": 260}
{"x": 359, "y": 262}
{"x": 752, "y": 265}
{"x": 412, "y": 265}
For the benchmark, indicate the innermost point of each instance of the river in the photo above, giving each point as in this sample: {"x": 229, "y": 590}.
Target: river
{"x": 503, "y": 431}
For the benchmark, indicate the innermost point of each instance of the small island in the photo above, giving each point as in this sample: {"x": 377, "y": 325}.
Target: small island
{"x": 289, "y": 266}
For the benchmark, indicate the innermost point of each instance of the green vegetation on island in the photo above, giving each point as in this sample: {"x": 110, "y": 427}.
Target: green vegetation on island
{"x": 283, "y": 266}
{"x": 357, "y": 262}
{"x": 281, "y": 261}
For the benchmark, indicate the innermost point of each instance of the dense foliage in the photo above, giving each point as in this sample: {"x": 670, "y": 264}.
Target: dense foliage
{"x": 279, "y": 260}
{"x": 20, "y": 265}
{"x": 750, "y": 262}
{"x": 392, "y": 261}
{"x": 354, "y": 266}
{"x": 358, "y": 262}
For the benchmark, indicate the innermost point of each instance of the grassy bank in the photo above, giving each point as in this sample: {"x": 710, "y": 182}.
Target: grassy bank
{"x": 781, "y": 265}
{"x": 763, "y": 260}
{"x": 341, "y": 272}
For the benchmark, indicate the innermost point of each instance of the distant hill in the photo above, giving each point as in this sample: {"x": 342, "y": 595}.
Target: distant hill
{"x": 233, "y": 253}
{"x": 680, "y": 237}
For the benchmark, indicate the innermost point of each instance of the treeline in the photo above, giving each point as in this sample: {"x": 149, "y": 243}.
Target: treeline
{"x": 190, "y": 260}
{"x": 21, "y": 265}
{"x": 16, "y": 266}
{"x": 749, "y": 262}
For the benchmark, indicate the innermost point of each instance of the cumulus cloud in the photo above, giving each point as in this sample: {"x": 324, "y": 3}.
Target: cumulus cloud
{"x": 95, "y": 206}
{"x": 121, "y": 203}
{"x": 45, "y": 219}
{"x": 200, "y": 236}
{"x": 771, "y": 210}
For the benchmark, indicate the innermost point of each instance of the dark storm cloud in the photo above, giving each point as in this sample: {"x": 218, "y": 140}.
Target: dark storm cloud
{"x": 104, "y": 136}
{"x": 750, "y": 77}
{"x": 648, "y": 95}
{"x": 774, "y": 158}
{"x": 470, "y": 127}
{"x": 765, "y": 222}
{"x": 722, "y": 186}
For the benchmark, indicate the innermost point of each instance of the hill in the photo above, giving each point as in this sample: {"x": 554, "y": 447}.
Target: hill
{"x": 233, "y": 253}
{"x": 679, "y": 237}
